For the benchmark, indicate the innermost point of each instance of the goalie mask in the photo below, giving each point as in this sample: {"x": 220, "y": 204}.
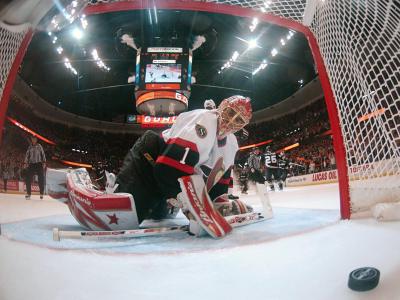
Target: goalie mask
{"x": 234, "y": 113}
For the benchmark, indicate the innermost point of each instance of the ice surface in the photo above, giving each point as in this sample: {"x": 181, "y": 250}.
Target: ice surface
{"x": 307, "y": 265}
{"x": 287, "y": 221}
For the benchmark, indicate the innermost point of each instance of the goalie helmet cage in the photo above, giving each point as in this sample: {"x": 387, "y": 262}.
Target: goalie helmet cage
{"x": 355, "y": 45}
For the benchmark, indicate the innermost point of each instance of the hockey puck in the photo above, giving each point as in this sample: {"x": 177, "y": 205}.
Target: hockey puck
{"x": 363, "y": 279}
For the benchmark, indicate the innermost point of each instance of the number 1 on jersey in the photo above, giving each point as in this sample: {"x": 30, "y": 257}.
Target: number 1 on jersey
{"x": 182, "y": 161}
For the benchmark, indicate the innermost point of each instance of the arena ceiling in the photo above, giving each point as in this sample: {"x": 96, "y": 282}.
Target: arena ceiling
{"x": 104, "y": 94}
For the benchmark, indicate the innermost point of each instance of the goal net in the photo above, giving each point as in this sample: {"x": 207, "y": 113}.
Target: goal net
{"x": 359, "y": 43}
{"x": 11, "y": 38}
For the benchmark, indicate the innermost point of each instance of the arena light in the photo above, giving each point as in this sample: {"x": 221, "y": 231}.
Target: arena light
{"x": 255, "y": 145}
{"x": 274, "y": 52}
{"x": 84, "y": 22}
{"x": 289, "y": 147}
{"x": 290, "y": 35}
{"x": 253, "y": 25}
{"x": 262, "y": 66}
{"x": 59, "y": 49}
{"x": 77, "y": 33}
{"x": 68, "y": 65}
{"x": 235, "y": 55}
{"x": 155, "y": 14}
{"x": 30, "y": 131}
{"x": 252, "y": 44}
{"x": 98, "y": 61}
{"x": 372, "y": 115}
{"x": 328, "y": 132}
{"x": 75, "y": 164}
{"x": 368, "y": 95}
{"x": 230, "y": 62}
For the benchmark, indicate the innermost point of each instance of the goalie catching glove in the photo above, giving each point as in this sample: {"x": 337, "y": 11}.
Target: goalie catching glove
{"x": 231, "y": 207}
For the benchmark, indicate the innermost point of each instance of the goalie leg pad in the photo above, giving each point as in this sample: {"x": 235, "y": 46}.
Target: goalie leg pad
{"x": 96, "y": 210}
{"x": 56, "y": 184}
{"x": 196, "y": 199}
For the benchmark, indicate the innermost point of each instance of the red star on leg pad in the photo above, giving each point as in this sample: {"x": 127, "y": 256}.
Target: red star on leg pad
{"x": 113, "y": 219}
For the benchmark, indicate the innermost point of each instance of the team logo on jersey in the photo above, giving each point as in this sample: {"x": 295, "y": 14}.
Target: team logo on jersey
{"x": 201, "y": 131}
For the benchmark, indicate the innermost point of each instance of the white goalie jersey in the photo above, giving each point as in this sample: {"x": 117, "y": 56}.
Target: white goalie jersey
{"x": 197, "y": 131}
{"x": 193, "y": 146}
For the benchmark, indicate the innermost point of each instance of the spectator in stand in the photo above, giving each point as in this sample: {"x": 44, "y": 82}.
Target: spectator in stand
{"x": 6, "y": 174}
{"x": 332, "y": 161}
{"x": 311, "y": 168}
{"x": 35, "y": 161}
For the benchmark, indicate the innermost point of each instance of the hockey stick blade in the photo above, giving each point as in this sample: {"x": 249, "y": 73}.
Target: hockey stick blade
{"x": 117, "y": 234}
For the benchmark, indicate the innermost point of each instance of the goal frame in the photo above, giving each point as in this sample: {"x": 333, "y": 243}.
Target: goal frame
{"x": 233, "y": 10}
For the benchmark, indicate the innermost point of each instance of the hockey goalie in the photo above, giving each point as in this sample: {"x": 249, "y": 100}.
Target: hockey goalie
{"x": 187, "y": 167}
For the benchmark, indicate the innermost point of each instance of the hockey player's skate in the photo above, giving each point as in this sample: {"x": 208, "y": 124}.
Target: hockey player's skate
{"x": 272, "y": 187}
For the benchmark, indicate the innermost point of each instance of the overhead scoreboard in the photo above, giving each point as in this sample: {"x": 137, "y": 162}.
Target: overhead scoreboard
{"x": 163, "y": 79}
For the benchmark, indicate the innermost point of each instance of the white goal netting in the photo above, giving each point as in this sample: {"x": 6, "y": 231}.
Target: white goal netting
{"x": 11, "y": 38}
{"x": 359, "y": 42}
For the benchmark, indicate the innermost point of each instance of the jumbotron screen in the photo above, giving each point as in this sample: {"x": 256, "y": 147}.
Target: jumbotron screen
{"x": 163, "y": 68}
{"x": 163, "y": 73}
{"x": 163, "y": 79}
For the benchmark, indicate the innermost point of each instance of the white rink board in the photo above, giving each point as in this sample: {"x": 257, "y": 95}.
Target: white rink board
{"x": 384, "y": 168}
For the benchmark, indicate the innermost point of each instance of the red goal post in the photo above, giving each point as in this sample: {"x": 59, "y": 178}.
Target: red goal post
{"x": 355, "y": 45}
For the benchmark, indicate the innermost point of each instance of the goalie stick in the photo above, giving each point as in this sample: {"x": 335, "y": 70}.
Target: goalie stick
{"x": 234, "y": 221}
{"x": 58, "y": 234}
{"x": 297, "y": 165}
{"x": 215, "y": 174}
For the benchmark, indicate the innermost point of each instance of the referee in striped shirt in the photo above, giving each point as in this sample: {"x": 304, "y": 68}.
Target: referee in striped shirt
{"x": 35, "y": 162}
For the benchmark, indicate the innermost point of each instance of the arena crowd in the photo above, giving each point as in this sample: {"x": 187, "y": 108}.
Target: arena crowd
{"x": 309, "y": 127}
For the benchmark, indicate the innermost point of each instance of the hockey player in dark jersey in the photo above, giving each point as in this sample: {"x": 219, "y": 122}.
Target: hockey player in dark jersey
{"x": 283, "y": 165}
{"x": 271, "y": 167}
{"x": 244, "y": 178}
